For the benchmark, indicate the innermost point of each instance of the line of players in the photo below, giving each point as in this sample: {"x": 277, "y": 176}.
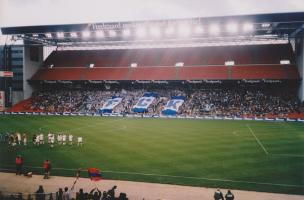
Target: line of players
{"x": 38, "y": 139}
{"x": 62, "y": 139}
{"x": 14, "y": 139}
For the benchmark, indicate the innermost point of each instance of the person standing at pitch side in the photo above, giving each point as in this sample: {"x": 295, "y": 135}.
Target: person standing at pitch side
{"x": 19, "y": 162}
{"x": 218, "y": 195}
{"x": 47, "y": 168}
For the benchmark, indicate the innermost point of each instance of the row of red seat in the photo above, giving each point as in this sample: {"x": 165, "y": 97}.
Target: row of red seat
{"x": 170, "y": 73}
{"x": 241, "y": 55}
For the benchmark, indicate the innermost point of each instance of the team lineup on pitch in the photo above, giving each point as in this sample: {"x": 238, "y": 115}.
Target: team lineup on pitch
{"x": 243, "y": 155}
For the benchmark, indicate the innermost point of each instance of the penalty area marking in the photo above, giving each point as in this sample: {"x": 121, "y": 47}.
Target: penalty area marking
{"x": 265, "y": 150}
{"x": 181, "y": 177}
{"x": 257, "y": 139}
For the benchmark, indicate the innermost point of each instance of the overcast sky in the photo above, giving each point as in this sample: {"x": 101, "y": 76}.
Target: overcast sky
{"x": 40, "y": 12}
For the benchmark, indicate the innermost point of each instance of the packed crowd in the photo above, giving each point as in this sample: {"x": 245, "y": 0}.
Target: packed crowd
{"x": 200, "y": 102}
{"x": 243, "y": 103}
{"x": 67, "y": 194}
{"x": 94, "y": 194}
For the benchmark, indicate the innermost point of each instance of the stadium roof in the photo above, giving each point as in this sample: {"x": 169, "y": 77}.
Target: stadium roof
{"x": 261, "y": 27}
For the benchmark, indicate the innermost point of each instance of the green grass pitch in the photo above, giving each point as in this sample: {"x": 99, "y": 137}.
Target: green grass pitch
{"x": 248, "y": 155}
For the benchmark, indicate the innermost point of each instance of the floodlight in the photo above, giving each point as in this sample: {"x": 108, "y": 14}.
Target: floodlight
{"x": 35, "y": 35}
{"x": 229, "y": 63}
{"x": 91, "y": 65}
{"x": 169, "y": 30}
{"x": 73, "y": 34}
{"x": 265, "y": 25}
{"x": 112, "y": 33}
{"x": 133, "y": 65}
{"x": 141, "y": 32}
{"x": 184, "y": 30}
{"x": 99, "y": 34}
{"x": 155, "y": 32}
{"x": 232, "y": 27}
{"x": 86, "y": 34}
{"x": 179, "y": 64}
{"x": 60, "y": 35}
{"x": 48, "y": 35}
{"x": 198, "y": 30}
{"x": 126, "y": 32}
{"x": 285, "y": 62}
{"x": 214, "y": 29}
{"x": 248, "y": 27}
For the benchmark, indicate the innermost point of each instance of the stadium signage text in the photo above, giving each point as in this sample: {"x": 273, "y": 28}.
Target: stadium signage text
{"x": 6, "y": 74}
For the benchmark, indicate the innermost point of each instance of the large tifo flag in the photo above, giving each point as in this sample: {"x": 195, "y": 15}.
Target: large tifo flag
{"x": 110, "y": 104}
{"x": 173, "y": 105}
{"x": 94, "y": 174}
{"x": 144, "y": 102}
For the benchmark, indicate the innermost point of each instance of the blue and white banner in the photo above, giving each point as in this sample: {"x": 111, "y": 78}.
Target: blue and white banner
{"x": 110, "y": 104}
{"x": 173, "y": 105}
{"x": 143, "y": 104}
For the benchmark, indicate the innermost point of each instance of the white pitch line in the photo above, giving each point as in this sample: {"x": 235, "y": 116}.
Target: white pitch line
{"x": 257, "y": 139}
{"x": 183, "y": 177}
{"x": 235, "y": 133}
{"x": 288, "y": 155}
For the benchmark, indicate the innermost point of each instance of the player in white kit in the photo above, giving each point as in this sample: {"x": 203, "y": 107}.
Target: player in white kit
{"x": 24, "y": 139}
{"x": 79, "y": 141}
{"x": 70, "y": 139}
{"x": 37, "y": 139}
{"x": 64, "y": 139}
{"x": 59, "y": 138}
{"x": 52, "y": 140}
{"x": 41, "y": 138}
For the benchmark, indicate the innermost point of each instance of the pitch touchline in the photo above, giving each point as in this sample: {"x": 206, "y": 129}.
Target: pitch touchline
{"x": 257, "y": 139}
{"x": 184, "y": 177}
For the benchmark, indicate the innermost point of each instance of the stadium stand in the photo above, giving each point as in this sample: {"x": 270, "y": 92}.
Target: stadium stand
{"x": 204, "y": 63}
{"x": 241, "y": 99}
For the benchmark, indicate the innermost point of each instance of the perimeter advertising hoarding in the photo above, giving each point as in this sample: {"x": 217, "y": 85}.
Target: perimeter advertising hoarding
{"x": 2, "y": 101}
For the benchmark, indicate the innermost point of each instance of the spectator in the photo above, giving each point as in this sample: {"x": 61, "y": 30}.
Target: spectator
{"x": 111, "y": 192}
{"x": 19, "y": 162}
{"x": 47, "y": 168}
{"x": 80, "y": 195}
{"x": 218, "y": 195}
{"x": 95, "y": 194}
{"x": 40, "y": 193}
{"x": 229, "y": 196}
{"x": 59, "y": 194}
{"x": 29, "y": 197}
{"x": 66, "y": 194}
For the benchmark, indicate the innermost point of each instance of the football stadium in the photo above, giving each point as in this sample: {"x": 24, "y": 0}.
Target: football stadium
{"x": 175, "y": 108}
